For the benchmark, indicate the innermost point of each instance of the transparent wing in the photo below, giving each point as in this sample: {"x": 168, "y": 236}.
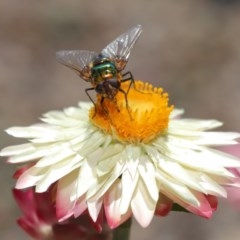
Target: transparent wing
{"x": 120, "y": 49}
{"x": 77, "y": 60}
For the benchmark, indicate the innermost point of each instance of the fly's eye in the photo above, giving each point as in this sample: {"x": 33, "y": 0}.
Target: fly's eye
{"x": 100, "y": 88}
{"x": 94, "y": 73}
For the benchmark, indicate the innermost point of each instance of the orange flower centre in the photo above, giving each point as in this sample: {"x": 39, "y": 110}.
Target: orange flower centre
{"x": 139, "y": 117}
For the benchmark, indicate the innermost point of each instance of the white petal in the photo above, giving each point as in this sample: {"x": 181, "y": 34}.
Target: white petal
{"x": 108, "y": 141}
{"x": 30, "y": 177}
{"x": 60, "y": 119}
{"x": 222, "y": 158}
{"x": 66, "y": 195}
{"x": 176, "y": 113}
{"x": 175, "y": 188}
{"x": 103, "y": 184}
{"x": 132, "y": 156}
{"x": 212, "y": 187}
{"x": 147, "y": 172}
{"x": 200, "y": 160}
{"x": 217, "y": 138}
{"x": 55, "y": 157}
{"x": 81, "y": 135}
{"x": 76, "y": 113}
{"x": 179, "y": 141}
{"x": 30, "y": 152}
{"x": 108, "y": 159}
{"x": 29, "y": 155}
{"x": 128, "y": 187}
{"x": 86, "y": 178}
{"x": 175, "y": 170}
{"x": 17, "y": 149}
{"x": 63, "y": 135}
{"x": 94, "y": 141}
{"x": 143, "y": 206}
{"x": 109, "y": 151}
{"x": 56, "y": 172}
{"x": 94, "y": 208}
{"x": 33, "y": 131}
{"x": 191, "y": 127}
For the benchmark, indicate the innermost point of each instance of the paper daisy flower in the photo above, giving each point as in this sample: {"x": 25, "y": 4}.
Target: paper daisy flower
{"x": 124, "y": 158}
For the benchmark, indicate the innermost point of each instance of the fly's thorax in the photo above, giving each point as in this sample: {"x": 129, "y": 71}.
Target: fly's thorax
{"x": 103, "y": 70}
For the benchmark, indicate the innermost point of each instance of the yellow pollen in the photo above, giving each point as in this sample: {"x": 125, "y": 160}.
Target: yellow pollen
{"x": 141, "y": 118}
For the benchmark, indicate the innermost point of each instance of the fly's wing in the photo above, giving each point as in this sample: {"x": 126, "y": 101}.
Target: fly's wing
{"x": 78, "y": 60}
{"x": 119, "y": 50}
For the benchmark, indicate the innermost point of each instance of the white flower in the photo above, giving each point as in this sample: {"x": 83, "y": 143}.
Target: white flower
{"x": 125, "y": 162}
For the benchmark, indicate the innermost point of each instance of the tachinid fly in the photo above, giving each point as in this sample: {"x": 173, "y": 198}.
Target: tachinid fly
{"x": 104, "y": 70}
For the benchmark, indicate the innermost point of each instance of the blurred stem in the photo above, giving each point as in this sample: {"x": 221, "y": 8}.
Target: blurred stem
{"x": 123, "y": 231}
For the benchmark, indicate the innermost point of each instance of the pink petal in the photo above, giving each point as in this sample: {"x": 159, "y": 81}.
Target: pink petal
{"x": 80, "y": 206}
{"x": 34, "y": 230}
{"x": 204, "y": 210}
{"x": 164, "y": 206}
{"x": 45, "y": 207}
{"x": 231, "y": 149}
{"x": 213, "y": 201}
{"x": 38, "y": 212}
{"x": 112, "y": 201}
{"x": 29, "y": 178}
{"x": 25, "y": 201}
{"x": 21, "y": 170}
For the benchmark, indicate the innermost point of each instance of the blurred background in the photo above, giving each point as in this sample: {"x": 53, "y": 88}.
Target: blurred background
{"x": 191, "y": 48}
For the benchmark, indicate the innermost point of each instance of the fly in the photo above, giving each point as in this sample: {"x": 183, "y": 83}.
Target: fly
{"x": 104, "y": 70}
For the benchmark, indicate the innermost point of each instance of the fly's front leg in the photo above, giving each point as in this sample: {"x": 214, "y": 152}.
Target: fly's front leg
{"x": 86, "y": 91}
{"x": 103, "y": 107}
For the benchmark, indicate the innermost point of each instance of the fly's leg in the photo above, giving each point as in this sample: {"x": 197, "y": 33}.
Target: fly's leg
{"x": 104, "y": 109}
{"x": 95, "y": 107}
{"x": 129, "y": 78}
{"x": 132, "y": 82}
{"x": 127, "y": 106}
